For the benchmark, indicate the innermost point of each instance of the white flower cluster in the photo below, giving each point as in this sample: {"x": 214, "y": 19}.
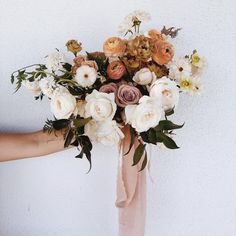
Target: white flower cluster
{"x": 186, "y": 71}
{"x": 128, "y": 21}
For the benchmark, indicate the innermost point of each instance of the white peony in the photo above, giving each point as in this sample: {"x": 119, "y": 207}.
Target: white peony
{"x": 179, "y": 68}
{"x": 100, "y": 106}
{"x": 144, "y": 76}
{"x": 85, "y": 76}
{"x": 145, "y": 115}
{"x": 107, "y": 132}
{"x": 63, "y": 104}
{"x": 54, "y": 61}
{"x": 32, "y": 86}
{"x": 166, "y": 91}
{"x": 47, "y": 85}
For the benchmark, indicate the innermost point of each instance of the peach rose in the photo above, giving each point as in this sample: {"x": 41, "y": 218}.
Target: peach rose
{"x": 78, "y": 60}
{"x": 114, "y": 47}
{"x": 127, "y": 95}
{"x": 109, "y": 88}
{"x": 116, "y": 70}
{"x": 163, "y": 52}
{"x": 90, "y": 63}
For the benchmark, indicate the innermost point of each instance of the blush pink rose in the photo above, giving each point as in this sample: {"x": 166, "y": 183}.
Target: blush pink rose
{"x": 109, "y": 88}
{"x": 127, "y": 95}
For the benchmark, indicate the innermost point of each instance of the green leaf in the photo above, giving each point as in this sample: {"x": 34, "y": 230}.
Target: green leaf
{"x": 138, "y": 153}
{"x": 69, "y": 137}
{"x": 168, "y": 142}
{"x": 144, "y": 162}
{"x": 132, "y": 138}
{"x": 152, "y": 136}
{"x": 12, "y": 78}
{"x": 169, "y": 112}
{"x": 81, "y": 122}
{"x": 61, "y": 124}
{"x": 167, "y": 125}
{"x": 67, "y": 66}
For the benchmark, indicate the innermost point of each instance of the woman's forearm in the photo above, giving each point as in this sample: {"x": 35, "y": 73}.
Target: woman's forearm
{"x": 17, "y": 146}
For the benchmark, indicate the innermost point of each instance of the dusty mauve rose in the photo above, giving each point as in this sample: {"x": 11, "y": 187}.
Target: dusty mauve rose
{"x": 109, "y": 88}
{"x": 114, "y": 47}
{"x": 163, "y": 53}
{"x": 127, "y": 95}
{"x": 116, "y": 70}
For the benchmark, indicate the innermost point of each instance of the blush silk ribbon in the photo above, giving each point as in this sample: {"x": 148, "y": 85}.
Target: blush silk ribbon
{"x": 131, "y": 191}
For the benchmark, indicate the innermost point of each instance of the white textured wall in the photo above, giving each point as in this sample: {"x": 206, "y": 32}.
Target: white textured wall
{"x": 195, "y": 187}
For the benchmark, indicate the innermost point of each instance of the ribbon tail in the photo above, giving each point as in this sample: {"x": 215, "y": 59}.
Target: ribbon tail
{"x": 131, "y": 193}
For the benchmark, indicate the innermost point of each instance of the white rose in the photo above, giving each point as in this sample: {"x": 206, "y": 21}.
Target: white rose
{"x": 54, "y": 61}
{"x": 32, "y": 86}
{"x": 144, "y": 76}
{"x": 63, "y": 104}
{"x": 107, "y": 132}
{"x": 166, "y": 91}
{"x": 85, "y": 76}
{"x": 145, "y": 115}
{"x": 100, "y": 106}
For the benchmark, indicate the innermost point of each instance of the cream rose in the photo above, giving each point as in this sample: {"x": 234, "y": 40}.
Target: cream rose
{"x": 100, "y": 106}
{"x": 85, "y": 76}
{"x": 145, "y": 115}
{"x": 166, "y": 91}
{"x": 63, "y": 104}
{"x": 107, "y": 132}
{"x": 144, "y": 76}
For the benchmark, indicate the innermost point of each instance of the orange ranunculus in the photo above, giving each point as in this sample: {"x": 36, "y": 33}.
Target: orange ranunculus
{"x": 154, "y": 34}
{"x": 116, "y": 70}
{"x": 114, "y": 47}
{"x": 163, "y": 52}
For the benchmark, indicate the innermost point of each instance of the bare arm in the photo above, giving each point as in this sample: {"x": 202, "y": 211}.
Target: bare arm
{"x": 18, "y": 146}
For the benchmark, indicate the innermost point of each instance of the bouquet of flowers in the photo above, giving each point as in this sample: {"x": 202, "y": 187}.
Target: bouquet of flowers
{"x": 135, "y": 83}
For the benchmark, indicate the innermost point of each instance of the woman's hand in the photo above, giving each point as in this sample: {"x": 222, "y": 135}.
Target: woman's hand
{"x": 18, "y": 146}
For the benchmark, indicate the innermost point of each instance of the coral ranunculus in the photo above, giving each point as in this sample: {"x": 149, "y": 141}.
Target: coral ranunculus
{"x": 114, "y": 47}
{"x": 163, "y": 52}
{"x": 116, "y": 70}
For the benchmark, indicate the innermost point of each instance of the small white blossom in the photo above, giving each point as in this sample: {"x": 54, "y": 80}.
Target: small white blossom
{"x": 54, "y": 61}
{"x": 32, "y": 86}
{"x": 48, "y": 86}
{"x": 179, "y": 68}
{"x": 129, "y": 20}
